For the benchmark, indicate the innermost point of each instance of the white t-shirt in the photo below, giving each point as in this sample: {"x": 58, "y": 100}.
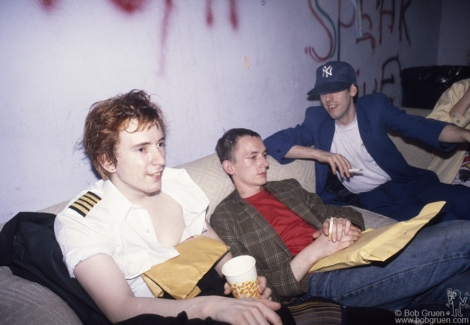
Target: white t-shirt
{"x": 116, "y": 227}
{"x": 348, "y": 142}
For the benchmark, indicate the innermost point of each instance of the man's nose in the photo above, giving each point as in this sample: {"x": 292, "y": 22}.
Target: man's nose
{"x": 264, "y": 162}
{"x": 158, "y": 157}
{"x": 327, "y": 97}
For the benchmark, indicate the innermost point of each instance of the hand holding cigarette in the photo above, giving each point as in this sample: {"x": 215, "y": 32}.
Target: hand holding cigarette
{"x": 355, "y": 171}
{"x": 339, "y": 228}
{"x": 330, "y": 230}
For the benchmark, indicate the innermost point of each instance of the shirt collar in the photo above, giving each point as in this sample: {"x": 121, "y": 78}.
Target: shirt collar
{"x": 118, "y": 204}
{"x": 175, "y": 183}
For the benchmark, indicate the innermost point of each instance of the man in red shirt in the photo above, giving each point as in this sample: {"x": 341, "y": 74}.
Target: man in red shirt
{"x": 286, "y": 229}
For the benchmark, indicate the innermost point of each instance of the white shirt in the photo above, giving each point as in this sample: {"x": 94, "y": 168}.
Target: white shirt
{"x": 124, "y": 231}
{"x": 348, "y": 142}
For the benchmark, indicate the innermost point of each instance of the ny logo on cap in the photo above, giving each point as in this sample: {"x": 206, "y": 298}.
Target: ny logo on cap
{"x": 327, "y": 71}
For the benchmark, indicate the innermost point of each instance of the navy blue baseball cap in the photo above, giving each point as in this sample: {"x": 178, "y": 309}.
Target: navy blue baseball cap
{"x": 332, "y": 77}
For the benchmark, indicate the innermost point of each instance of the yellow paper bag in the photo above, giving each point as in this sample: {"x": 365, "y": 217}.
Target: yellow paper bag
{"x": 379, "y": 244}
{"x": 179, "y": 276}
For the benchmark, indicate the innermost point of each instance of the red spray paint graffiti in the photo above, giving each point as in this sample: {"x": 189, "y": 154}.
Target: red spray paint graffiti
{"x": 367, "y": 36}
{"x": 342, "y": 24}
{"x": 310, "y": 49}
{"x": 129, "y": 6}
{"x": 164, "y": 37}
{"x": 233, "y": 14}
{"x": 209, "y": 13}
{"x": 386, "y": 11}
{"x": 383, "y": 13}
{"x": 402, "y": 23}
{"x": 48, "y": 5}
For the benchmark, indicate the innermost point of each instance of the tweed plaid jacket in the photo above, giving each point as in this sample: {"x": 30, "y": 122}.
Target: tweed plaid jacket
{"x": 247, "y": 232}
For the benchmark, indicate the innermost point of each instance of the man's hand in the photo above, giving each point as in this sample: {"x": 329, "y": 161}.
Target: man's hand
{"x": 343, "y": 235}
{"x": 264, "y": 291}
{"x": 339, "y": 228}
{"x": 336, "y": 161}
{"x": 245, "y": 311}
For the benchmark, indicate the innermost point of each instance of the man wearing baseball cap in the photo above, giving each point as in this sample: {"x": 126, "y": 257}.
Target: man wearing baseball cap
{"x": 356, "y": 163}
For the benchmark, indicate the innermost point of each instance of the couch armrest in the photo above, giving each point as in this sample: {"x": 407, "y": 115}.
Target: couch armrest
{"x": 55, "y": 209}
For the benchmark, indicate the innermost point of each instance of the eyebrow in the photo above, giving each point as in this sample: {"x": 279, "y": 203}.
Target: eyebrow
{"x": 256, "y": 152}
{"x": 146, "y": 143}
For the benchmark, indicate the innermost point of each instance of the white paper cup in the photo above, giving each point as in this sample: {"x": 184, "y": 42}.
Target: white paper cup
{"x": 240, "y": 273}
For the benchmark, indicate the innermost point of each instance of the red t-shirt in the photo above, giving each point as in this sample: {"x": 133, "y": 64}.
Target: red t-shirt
{"x": 294, "y": 232}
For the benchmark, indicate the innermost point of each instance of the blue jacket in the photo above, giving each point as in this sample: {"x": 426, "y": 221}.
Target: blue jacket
{"x": 376, "y": 116}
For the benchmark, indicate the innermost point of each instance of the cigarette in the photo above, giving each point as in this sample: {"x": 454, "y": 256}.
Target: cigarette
{"x": 355, "y": 170}
{"x": 331, "y": 228}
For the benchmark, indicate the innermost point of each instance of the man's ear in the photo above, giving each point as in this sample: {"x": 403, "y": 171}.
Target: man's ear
{"x": 227, "y": 165}
{"x": 107, "y": 164}
{"x": 353, "y": 90}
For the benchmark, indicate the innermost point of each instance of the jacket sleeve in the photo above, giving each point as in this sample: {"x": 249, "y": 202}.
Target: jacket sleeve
{"x": 282, "y": 141}
{"x": 236, "y": 229}
{"x": 410, "y": 126}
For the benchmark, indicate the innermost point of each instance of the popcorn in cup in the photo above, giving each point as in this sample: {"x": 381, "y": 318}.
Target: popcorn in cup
{"x": 242, "y": 277}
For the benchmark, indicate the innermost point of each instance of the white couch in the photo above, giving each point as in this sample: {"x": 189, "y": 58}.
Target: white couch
{"x": 25, "y": 302}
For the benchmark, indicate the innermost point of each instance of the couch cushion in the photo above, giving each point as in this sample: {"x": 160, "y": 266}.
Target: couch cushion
{"x": 25, "y": 302}
{"x": 374, "y": 220}
{"x": 208, "y": 173}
